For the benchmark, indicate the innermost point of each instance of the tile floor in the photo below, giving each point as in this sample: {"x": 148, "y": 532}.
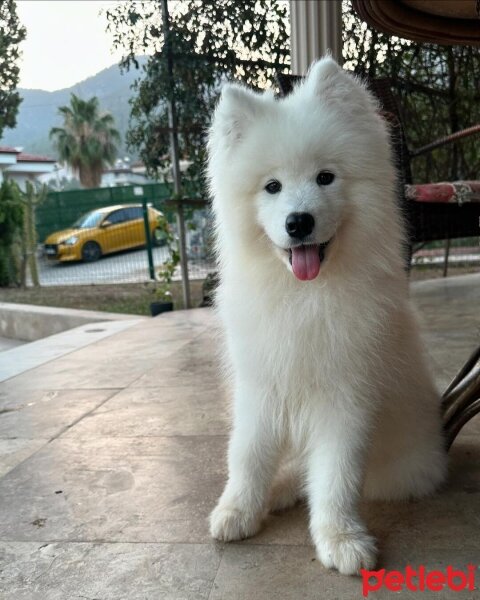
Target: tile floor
{"x": 113, "y": 455}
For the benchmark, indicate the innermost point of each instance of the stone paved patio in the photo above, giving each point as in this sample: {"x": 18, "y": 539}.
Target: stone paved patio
{"x": 113, "y": 455}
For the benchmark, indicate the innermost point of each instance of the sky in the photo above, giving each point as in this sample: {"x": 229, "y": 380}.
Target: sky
{"x": 66, "y": 42}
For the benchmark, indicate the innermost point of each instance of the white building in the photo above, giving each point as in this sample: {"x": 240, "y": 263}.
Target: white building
{"x": 22, "y": 167}
{"x": 125, "y": 173}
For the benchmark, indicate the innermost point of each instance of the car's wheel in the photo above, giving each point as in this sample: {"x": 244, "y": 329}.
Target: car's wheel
{"x": 91, "y": 251}
{"x": 158, "y": 237}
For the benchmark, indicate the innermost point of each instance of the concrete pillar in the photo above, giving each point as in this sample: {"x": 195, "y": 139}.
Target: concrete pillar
{"x": 316, "y": 26}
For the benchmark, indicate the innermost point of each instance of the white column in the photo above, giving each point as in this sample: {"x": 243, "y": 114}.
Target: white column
{"x": 316, "y": 27}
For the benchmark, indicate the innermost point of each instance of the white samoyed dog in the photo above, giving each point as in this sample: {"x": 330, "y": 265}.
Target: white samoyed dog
{"x": 333, "y": 400}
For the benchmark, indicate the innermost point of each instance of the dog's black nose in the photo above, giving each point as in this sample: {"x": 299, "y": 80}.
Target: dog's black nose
{"x": 299, "y": 225}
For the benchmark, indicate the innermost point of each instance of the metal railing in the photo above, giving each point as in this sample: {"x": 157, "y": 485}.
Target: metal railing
{"x": 444, "y": 257}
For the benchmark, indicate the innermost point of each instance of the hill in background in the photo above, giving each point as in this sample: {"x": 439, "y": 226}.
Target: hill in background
{"x": 38, "y": 112}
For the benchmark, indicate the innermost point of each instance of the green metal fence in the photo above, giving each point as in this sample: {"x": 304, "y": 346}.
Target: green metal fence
{"x": 61, "y": 209}
{"x": 117, "y": 242}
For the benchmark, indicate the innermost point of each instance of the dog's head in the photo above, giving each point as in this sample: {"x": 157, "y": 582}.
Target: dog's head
{"x": 291, "y": 173}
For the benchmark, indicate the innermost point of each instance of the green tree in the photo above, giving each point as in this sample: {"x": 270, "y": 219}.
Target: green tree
{"x": 12, "y": 33}
{"x": 211, "y": 40}
{"x": 88, "y": 140}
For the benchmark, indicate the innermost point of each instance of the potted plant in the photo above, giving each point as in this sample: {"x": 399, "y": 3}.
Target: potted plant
{"x": 163, "y": 296}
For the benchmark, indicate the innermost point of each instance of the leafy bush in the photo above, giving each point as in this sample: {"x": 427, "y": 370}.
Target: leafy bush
{"x": 167, "y": 271}
{"x": 11, "y": 221}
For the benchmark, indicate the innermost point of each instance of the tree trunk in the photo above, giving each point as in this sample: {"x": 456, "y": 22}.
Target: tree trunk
{"x": 90, "y": 174}
{"x": 452, "y": 110}
{"x": 29, "y": 241}
{"x": 32, "y": 246}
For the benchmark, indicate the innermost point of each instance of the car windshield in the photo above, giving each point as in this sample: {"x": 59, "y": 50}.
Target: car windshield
{"x": 91, "y": 219}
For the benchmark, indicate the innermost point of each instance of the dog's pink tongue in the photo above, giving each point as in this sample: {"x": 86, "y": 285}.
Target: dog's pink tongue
{"x": 306, "y": 262}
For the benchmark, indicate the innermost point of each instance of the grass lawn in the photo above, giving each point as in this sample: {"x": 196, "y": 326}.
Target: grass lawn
{"x": 130, "y": 298}
{"x": 135, "y": 298}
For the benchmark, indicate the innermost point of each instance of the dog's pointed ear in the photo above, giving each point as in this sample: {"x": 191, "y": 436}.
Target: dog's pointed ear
{"x": 236, "y": 111}
{"x": 327, "y": 80}
{"x": 323, "y": 76}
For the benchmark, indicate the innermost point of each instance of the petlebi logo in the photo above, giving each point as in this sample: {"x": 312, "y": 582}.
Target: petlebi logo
{"x": 419, "y": 579}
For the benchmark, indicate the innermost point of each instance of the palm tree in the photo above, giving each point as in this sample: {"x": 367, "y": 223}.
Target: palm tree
{"x": 88, "y": 140}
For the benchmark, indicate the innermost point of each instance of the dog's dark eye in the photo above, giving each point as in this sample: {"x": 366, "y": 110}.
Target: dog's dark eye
{"x": 325, "y": 178}
{"x": 273, "y": 187}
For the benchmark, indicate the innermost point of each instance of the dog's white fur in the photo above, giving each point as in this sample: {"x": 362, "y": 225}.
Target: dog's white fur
{"x": 332, "y": 396}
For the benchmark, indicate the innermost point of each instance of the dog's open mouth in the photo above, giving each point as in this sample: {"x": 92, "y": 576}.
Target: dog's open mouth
{"x": 307, "y": 259}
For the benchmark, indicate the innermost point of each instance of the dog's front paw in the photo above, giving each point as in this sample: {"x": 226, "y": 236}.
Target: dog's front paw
{"x": 229, "y": 523}
{"x": 347, "y": 551}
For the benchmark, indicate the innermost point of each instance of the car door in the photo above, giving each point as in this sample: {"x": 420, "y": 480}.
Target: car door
{"x": 135, "y": 228}
{"x": 113, "y": 231}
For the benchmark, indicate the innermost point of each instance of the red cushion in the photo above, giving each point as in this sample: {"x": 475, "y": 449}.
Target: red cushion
{"x": 457, "y": 192}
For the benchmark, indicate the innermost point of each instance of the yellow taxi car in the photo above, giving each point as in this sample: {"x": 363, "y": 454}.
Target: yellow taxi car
{"x": 103, "y": 231}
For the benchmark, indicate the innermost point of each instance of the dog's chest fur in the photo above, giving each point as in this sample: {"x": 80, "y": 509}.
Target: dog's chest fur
{"x": 305, "y": 341}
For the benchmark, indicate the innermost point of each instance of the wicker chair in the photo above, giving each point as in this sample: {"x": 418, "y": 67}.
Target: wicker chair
{"x": 432, "y": 212}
